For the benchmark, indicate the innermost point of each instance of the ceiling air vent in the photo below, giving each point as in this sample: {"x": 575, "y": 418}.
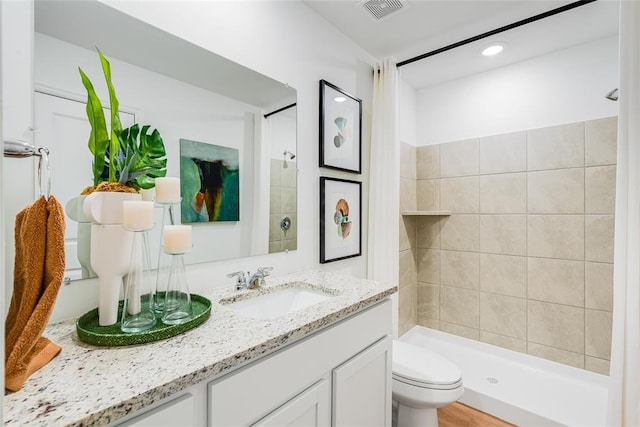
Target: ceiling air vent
{"x": 382, "y": 9}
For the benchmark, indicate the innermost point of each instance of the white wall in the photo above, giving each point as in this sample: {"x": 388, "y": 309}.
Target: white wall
{"x": 288, "y": 42}
{"x": 561, "y": 87}
{"x": 407, "y": 113}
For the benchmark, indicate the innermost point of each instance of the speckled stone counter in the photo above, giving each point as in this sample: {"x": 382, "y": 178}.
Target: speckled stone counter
{"x": 87, "y": 385}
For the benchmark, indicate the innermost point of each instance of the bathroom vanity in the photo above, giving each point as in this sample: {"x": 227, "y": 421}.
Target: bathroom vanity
{"x": 327, "y": 363}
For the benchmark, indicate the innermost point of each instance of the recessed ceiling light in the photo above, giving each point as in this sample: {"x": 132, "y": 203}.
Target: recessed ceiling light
{"x": 339, "y": 99}
{"x": 493, "y": 49}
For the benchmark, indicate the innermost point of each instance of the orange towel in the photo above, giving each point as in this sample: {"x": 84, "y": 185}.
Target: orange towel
{"x": 38, "y": 274}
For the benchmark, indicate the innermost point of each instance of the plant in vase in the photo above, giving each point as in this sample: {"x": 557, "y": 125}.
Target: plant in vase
{"x": 124, "y": 161}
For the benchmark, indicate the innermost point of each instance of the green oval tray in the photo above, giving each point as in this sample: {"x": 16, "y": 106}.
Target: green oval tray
{"x": 90, "y": 332}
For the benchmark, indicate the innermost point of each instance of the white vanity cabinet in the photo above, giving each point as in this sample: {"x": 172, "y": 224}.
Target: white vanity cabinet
{"x": 338, "y": 376}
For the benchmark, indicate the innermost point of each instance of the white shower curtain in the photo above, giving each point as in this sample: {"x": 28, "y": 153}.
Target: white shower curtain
{"x": 624, "y": 394}
{"x": 384, "y": 174}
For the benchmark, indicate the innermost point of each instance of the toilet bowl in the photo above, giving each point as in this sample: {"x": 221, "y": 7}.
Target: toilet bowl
{"x": 423, "y": 381}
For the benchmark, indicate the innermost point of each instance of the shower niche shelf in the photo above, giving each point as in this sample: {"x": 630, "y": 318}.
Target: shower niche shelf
{"x": 426, "y": 213}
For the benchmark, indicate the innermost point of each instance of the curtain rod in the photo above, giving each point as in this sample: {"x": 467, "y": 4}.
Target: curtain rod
{"x": 497, "y": 31}
{"x": 279, "y": 109}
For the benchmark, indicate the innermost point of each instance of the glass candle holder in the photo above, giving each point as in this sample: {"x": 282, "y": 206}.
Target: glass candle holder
{"x": 164, "y": 261}
{"x": 177, "y": 307}
{"x": 137, "y": 311}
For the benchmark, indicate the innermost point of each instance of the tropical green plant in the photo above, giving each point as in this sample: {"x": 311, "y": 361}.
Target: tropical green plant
{"x": 117, "y": 155}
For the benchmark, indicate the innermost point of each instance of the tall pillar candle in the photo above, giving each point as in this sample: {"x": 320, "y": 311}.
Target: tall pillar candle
{"x": 167, "y": 190}
{"x": 177, "y": 239}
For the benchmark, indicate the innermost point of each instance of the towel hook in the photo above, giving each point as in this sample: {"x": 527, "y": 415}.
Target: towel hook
{"x": 44, "y": 172}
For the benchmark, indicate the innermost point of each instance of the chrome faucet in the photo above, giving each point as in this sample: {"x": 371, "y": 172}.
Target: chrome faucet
{"x": 249, "y": 281}
{"x": 257, "y": 279}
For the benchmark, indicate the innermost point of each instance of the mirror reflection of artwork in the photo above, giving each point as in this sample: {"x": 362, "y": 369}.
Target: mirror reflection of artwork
{"x": 209, "y": 182}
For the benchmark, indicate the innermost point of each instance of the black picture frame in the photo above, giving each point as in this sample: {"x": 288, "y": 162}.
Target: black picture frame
{"x": 340, "y": 219}
{"x": 340, "y": 129}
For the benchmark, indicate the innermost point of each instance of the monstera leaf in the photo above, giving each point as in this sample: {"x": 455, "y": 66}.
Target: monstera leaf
{"x": 141, "y": 157}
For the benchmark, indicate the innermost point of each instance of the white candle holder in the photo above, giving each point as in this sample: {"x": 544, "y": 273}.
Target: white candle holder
{"x": 137, "y": 311}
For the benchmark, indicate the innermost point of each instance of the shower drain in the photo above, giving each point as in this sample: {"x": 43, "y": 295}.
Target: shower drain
{"x": 493, "y": 380}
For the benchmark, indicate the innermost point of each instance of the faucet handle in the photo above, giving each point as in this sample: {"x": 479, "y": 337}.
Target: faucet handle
{"x": 241, "y": 279}
{"x": 265, "y": 271}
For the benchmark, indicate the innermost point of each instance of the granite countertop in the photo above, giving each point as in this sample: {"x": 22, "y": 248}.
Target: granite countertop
{"x": 88, "y": 385}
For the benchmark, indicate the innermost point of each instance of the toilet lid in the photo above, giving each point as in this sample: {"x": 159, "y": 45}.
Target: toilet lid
{"x": 419, "y": 365}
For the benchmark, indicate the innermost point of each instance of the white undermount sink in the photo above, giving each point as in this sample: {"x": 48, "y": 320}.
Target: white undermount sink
{"x": 277, "y": 303}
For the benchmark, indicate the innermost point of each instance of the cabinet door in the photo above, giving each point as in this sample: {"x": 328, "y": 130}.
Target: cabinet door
{"x": 309, "y": 408}
{"x": 178, "y": 412}
{"x": 362, "y": 388}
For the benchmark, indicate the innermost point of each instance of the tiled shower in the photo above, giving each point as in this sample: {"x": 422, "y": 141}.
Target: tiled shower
{"x": 282, "y": 204}
{"x": 524, "y": 261}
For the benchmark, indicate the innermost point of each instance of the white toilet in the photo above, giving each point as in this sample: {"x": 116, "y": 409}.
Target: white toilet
{"x": 422, "y": 382}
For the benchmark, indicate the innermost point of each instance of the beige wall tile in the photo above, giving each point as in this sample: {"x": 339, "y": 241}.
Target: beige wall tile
{"x": 601, "y": 138}
{"x": 599, "y": 366}
{"x": 428, "y": 232}
{"x": 503, "y": 153}
{"x": 503, "y": 315}
{"x": 289, "y": 175}
{"x": 599, "y": 286}
{"x": 428, "y": 162}
{"x": 460, "y": 269}
{"x": 275, "y": 247}
{"x": 428, "y": 265}
{"x": 460, "y": 195}
{"x": 555, "y": 325}
{"x": 459, "y": 330}
{"x": 556, "y": 147}
{"x": 289, "y": 244}
{"x": 503, "y": 274}
{"x": 428, "y": 194}
{"x": 428, "y": 301}
{"x": 429, "y": 323}
{"x": 408, "y": 232}
{"x": 556, "y": 280}
{"x": 275, "y": 204}
{"x": 505, "y": 342}
{"x": 407, "y": 161}
{"x": 275, "y": 174}
{"x": 408, "y": 195}
{"x": 460, "y": 232}
{"x": 556, "y": 355}
{"x": 275, "y": 233}
{"x": 598, "y": 333}
{"x": 407, "y": 308}
{"x": 557, "y": 191}
{"x": 504, "y": 193}
{"x": 460, "y": 306}
{"x": 503, "y": 234}
{"x": 289, "y": 200}
{"x": 459, "y": 158}
{"x": 556, "y": 236}
{"x": 599, "y": 230}
{"x": 600, "y": 190}
{"x": 408, "y": 268}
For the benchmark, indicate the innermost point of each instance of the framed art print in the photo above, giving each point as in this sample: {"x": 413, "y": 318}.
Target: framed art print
{"x": 340, "y": 219}
{"x": 340, "y": 129}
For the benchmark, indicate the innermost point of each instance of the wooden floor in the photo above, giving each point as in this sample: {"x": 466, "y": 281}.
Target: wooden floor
{"x": 460, "y": 415}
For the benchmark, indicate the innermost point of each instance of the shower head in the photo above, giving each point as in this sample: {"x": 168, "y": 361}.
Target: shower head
{"x": 291, "y": 155}
{"x": 613, "y": 95}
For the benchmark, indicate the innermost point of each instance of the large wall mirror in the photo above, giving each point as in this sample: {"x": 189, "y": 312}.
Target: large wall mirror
{"x": 187, "y": 93}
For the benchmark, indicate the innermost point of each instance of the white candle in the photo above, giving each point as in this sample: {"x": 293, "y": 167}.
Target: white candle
{"x": 137, "y": 214}
{"x": 167, "y": 190}
{"x": 177, "y": 239}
